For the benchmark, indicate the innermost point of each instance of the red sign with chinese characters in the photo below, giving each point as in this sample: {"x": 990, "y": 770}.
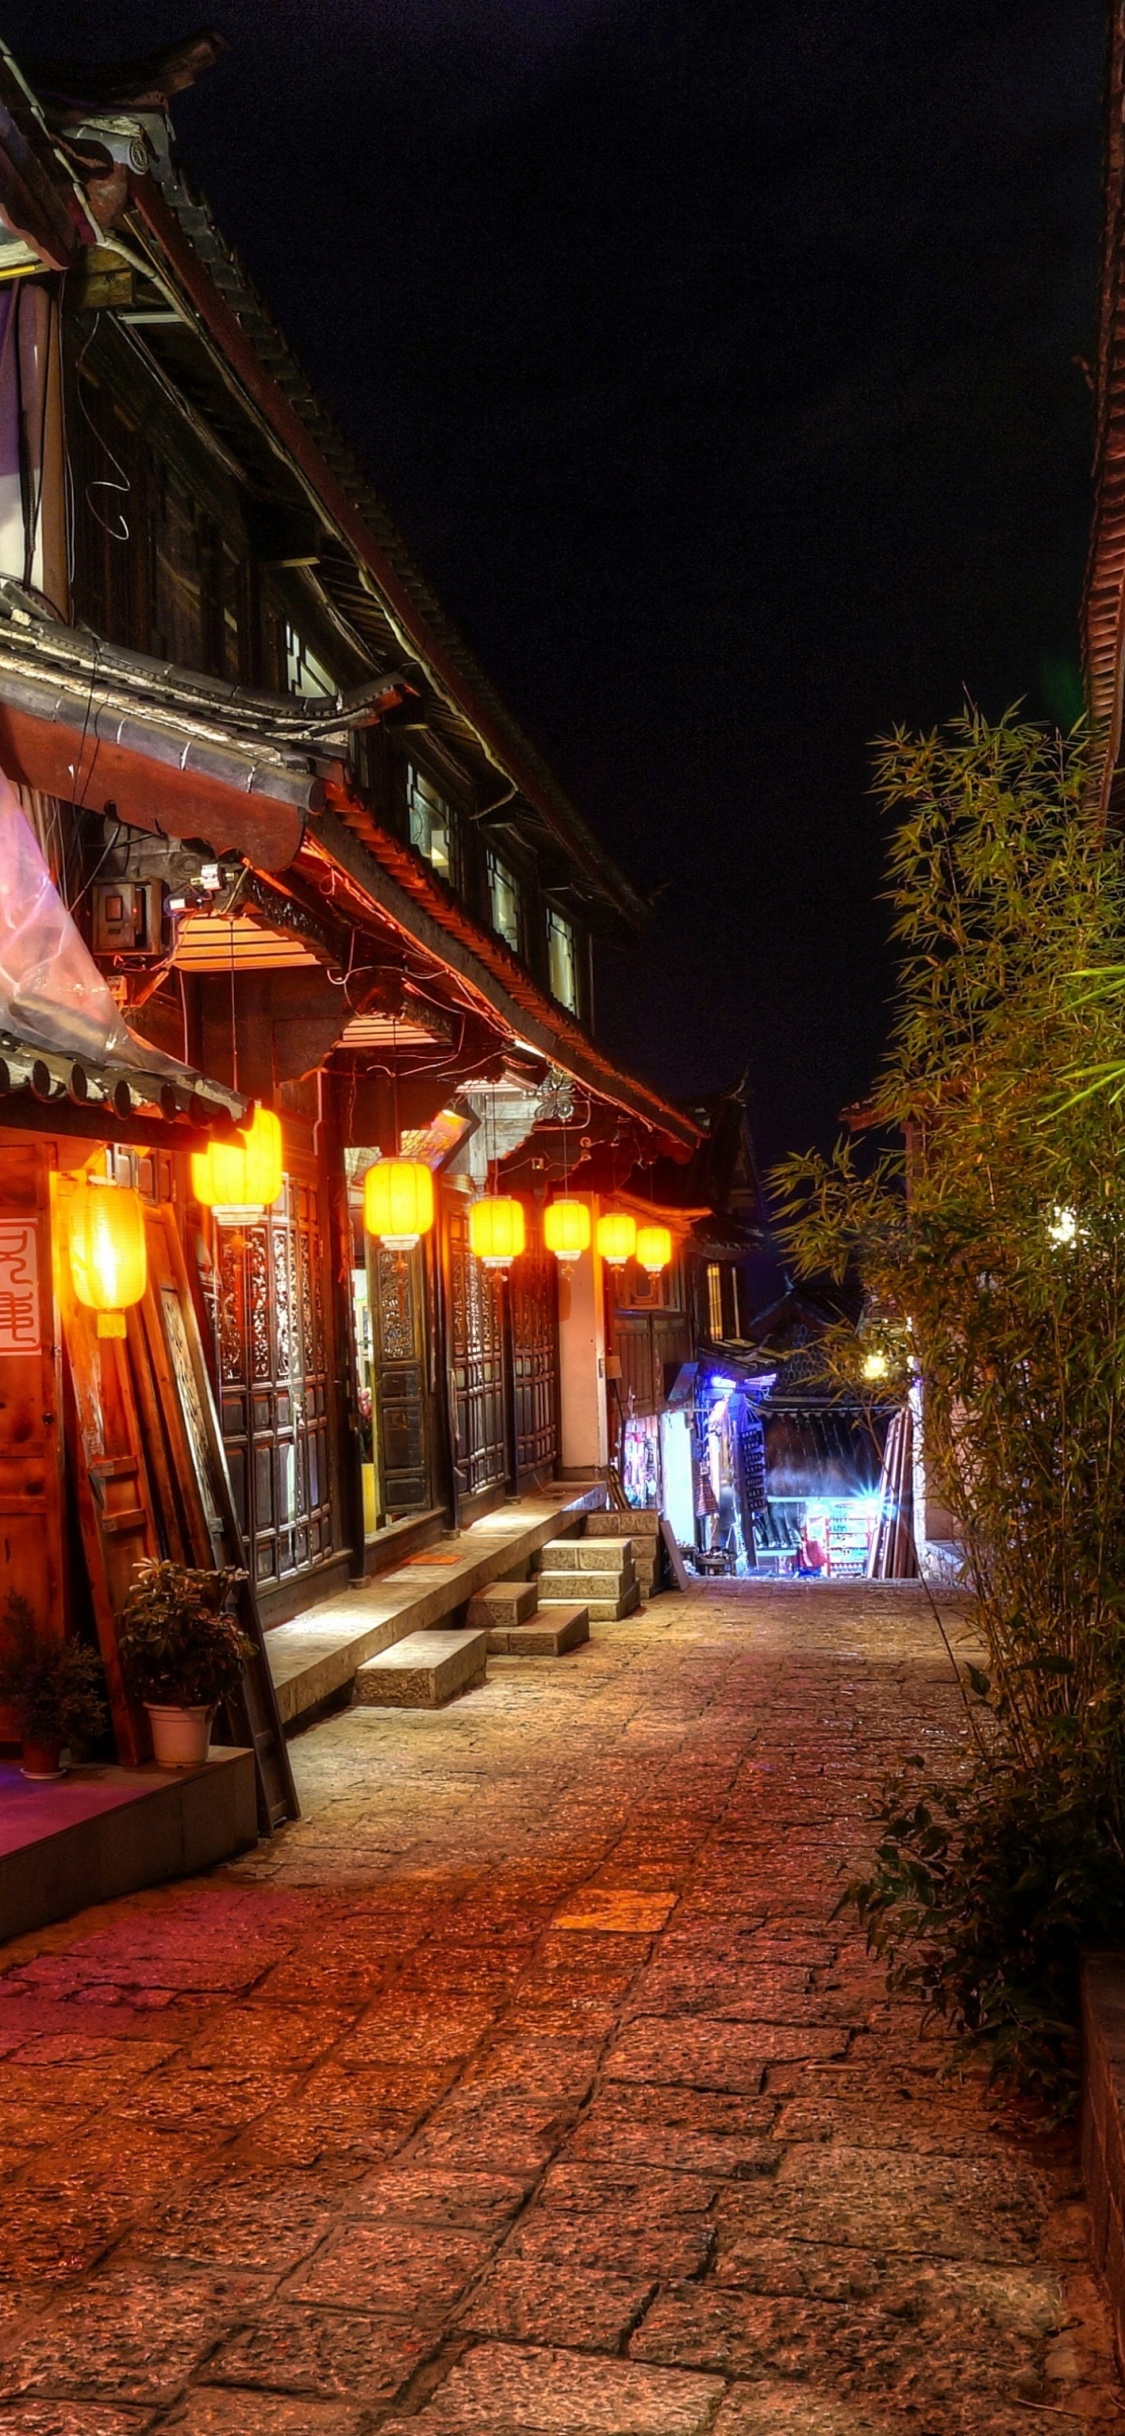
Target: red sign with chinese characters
{"x": 19, "y": 1286}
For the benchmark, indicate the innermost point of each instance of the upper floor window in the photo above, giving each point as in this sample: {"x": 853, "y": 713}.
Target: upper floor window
{"x": 714, "y": 1299}
{"x": 432, "y": 824}
{"x": 304, "y": 673}
{"x": 562, "y": 960}
{"x": 504, "y": 902}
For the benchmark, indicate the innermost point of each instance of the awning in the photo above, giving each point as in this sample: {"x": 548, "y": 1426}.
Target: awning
{"x": 837, "y": 1452}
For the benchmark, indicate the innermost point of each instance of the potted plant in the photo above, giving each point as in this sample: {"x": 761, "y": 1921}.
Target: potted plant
{"x": 55, "y": 1688}
{"x": 183, "y": 1652}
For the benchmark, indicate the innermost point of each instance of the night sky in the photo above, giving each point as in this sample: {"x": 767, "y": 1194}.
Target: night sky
{"x": 717, "y": 358}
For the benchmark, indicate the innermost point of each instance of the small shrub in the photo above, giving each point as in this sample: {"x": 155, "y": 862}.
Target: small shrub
{"x": 984, "y": 1894}
{"x": 180, "y": 1644}
{"x": 54, "y": 1687}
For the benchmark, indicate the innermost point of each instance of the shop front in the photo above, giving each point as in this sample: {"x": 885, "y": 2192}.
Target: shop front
{"x": 824, "y": 1489}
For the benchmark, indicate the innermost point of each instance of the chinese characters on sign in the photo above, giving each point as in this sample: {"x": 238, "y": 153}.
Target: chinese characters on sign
{"x": 19, "y": 1286}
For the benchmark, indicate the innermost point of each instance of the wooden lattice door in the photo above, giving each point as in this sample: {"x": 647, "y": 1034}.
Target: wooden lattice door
{"x": 274, "y": 1375}
{"x": 476, "y": 1363}
{"x": 396, "y": 1295}
{"x": 533, "y": 1303}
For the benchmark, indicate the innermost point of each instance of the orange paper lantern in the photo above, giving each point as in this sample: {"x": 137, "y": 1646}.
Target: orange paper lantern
{"x": 617, "y": 1237}
{"x": 241, "y": 1177}
{"x": 398, "y": 1202}
{"x": 654, "y": 1248}
{"x": 497, "y": 1232}
{"x": 566, "y": 1228}
{"x": 108, "y": 1253}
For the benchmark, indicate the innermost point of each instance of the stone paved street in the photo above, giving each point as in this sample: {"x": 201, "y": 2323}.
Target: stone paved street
{"x": 529, "y": 2084}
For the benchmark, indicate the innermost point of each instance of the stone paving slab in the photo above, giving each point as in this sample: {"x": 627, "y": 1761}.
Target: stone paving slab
{"x": 530, "y": 2086}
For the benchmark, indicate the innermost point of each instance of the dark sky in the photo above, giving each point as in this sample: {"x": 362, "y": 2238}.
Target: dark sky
{"x": 717, "y": 359}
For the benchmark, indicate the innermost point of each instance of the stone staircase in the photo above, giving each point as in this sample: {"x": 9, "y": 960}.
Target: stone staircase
{"x": 642, "y": 1526}
{"x": 511, "y": 1615}
{"x": 598, "y": 1576}
{"x": 599, "y": 1571}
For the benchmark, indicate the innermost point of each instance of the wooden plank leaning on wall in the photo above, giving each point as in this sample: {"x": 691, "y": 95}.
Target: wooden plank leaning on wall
{"x": 32, "y": 1528}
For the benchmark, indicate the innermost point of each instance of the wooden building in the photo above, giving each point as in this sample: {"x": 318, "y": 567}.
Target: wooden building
{"x": 313, "y": 856}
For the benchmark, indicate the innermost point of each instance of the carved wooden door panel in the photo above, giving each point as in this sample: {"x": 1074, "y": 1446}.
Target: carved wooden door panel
{"x": 274, "y": 1383}
{"x": 632, "y": 1336}
{"x": 193, "y": 1492}
{"x": 31, "y": 1481}
{"x": 398, "y": 1328}
{"x": 533, "y": 1303}
{"x": 476, "y": 1362}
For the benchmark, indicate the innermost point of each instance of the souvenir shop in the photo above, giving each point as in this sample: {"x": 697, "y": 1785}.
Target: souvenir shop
{"x": 756, "y": 1485}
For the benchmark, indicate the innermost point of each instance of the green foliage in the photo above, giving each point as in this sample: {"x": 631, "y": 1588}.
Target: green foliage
{"x": 993, "y": 1261}
{"x": 985, "y": 1892}
{"x": 180, "y": 1645}
{"x": 55, "y": 1687}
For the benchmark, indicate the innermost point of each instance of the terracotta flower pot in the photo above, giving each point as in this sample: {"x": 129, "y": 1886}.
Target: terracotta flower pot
{"x": 181, "y": 1737}
{"x": 40, "y": 1763}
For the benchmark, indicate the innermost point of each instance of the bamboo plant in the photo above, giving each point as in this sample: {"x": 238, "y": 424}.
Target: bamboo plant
{"x": 991, "y": 1251}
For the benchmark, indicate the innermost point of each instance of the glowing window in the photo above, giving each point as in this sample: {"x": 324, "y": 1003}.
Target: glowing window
{"x": 504, "y": 902}
{"x": 432, "y": 828}
{"x": 562, "y": 960}
{"x": 714, "y": 1298}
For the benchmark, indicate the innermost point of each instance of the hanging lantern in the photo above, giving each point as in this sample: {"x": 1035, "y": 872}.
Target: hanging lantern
{"x": 566, "y": 1228}
{"x": 617, "y": 1237}
{"x": 654, "y": 1248}
{"x": 240, "y": 1178}
{"x": 398, "y": 1202}
{"x": 497, "y": 1232}
{"x": 108, "y": 1253}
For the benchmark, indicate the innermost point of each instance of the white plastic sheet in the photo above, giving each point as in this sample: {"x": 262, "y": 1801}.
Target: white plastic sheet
{"x": 51, "y": 992}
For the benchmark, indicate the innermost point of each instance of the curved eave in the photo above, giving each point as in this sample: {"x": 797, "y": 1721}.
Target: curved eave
{"x": 153, "y": 776}
{"x": 40, "y": 203}
{"x": 400, "y": 884}
{"x": 47, "y": 1091}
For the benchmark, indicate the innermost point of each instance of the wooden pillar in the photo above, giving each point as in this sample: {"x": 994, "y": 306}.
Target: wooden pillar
{"x": 583, "y": 1428}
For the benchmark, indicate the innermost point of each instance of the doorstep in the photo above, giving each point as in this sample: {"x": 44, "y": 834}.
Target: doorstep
{"x": 317, "y": 1656}
{"x": 101, "y": 1832}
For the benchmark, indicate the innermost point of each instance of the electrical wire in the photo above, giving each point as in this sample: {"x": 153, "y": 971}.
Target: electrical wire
{"x": 100, "y": 482}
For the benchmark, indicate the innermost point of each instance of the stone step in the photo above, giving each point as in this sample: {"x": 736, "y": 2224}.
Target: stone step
{"x": 558, "y": 1584}
{"x": 600, "y": 1610}
{"x": 550, "y": 1634}
{"x": 423, "y": 1671}
{"x": 586, "y": 1555}
{"x": 641, "y": 1522}
{"x": 503, "y": 1603}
